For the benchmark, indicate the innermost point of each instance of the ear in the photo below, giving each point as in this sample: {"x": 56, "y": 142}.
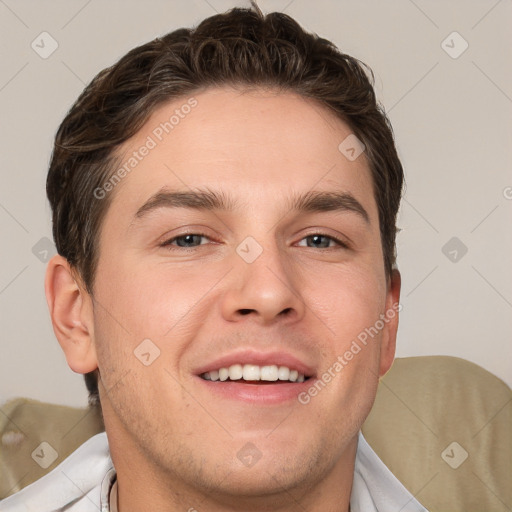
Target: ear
{"x": 72, "y": 315}
{"x": 388, "y": 342}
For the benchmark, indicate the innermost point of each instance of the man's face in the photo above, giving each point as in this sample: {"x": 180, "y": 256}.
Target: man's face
{"x": 263, "y": 283}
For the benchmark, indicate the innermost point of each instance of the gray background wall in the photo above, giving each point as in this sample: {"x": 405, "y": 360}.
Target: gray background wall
{"x": 451, "y": 111}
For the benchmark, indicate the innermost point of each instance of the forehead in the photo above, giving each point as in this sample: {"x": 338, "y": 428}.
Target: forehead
{"x": 254, "y": 142}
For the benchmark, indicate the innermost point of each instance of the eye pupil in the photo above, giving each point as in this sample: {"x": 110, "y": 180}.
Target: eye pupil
{"x": 317, "y": 240}
{"x": 187, "y": 240}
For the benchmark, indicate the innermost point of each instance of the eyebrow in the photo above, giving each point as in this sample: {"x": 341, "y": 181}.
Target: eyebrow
{"x": 207, "y": 199}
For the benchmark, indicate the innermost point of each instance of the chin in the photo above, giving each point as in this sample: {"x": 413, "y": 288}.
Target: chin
{"x": 262, "y": 465}
{"x": 268, "y": 476}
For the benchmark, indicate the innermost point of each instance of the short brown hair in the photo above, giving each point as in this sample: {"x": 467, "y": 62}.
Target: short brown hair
{"x": 241, "y": 47}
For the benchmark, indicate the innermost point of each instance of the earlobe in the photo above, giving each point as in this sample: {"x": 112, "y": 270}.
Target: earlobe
{"x": 71, "y": 313}
{"x": 388, "y": 342}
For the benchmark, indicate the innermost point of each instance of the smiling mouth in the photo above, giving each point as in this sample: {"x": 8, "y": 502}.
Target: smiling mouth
{"x": 255, "y": 374}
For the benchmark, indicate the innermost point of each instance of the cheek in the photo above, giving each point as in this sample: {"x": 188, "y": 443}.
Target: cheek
{"x": 349, "y": 304}
{"x": 151, "y": 302}
{"x": 351, "y": 307}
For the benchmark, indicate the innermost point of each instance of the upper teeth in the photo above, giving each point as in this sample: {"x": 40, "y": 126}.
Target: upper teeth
{"x": 255, "y": 372}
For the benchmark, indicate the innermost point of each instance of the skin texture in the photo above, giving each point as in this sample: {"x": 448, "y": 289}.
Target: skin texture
{"x": 174, "y": 444}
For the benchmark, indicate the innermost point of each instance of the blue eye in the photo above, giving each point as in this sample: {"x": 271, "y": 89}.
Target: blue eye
{"x": 317, "y": 242}
{"x": 184, "y": 240}
{"x": 193, "y": 240}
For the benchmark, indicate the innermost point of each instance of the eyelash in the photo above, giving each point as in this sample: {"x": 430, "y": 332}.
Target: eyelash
{"x": 168, "y": 243}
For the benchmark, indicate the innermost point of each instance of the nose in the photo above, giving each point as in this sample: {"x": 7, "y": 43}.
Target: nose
{"x": 266, "y": 289}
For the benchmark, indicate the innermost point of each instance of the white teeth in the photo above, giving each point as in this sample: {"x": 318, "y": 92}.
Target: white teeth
{"x": 269, "y": 373}
{"x": 253, "y": 372}
{"x": 283, "y": 373}
{"x": 235, "y": 372}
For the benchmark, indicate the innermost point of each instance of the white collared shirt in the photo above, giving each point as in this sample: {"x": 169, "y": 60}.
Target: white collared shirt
{"x": 83, "y": 483}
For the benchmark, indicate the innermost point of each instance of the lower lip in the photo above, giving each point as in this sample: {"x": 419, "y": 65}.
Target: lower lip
{"x": 266, "y": 394}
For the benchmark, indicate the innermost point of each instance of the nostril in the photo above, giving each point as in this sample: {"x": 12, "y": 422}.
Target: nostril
{"x": 245, "y": 311}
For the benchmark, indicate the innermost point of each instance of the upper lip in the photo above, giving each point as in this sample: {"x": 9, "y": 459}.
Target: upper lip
{"x": 248, "y": 356}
